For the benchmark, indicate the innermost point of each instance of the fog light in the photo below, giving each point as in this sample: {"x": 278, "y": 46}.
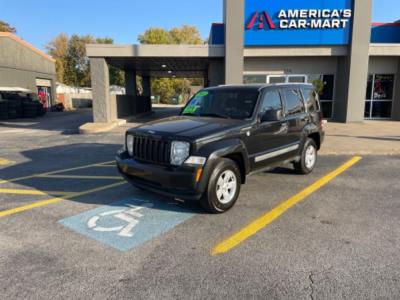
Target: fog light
{"x": 196, "y": 160}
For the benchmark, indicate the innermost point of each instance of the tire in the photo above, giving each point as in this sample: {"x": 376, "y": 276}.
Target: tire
{"x": 3, "y": 109}
{"x": 15, "y": 108}
{"x": 29, "y": 110}
{"x": 218, "y": 199}
{"x": 41, "y": 110}
{"x": 308, "y": 159}
{"x": 12, "y": 113}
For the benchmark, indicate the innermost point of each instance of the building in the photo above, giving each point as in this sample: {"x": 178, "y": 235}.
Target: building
{"x": 24, "y": 66}
{"x": 354, "y": 64}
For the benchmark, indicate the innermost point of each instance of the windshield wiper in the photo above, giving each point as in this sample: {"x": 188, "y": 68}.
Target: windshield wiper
{"x": 215, "y": 115}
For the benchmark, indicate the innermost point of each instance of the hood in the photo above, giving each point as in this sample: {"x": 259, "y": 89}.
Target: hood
{"x": 188, "y": 127}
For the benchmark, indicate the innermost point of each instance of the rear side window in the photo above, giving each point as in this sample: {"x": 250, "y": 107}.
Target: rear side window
{"x": 309, "y": 96}
{"x": 294, "y": 103}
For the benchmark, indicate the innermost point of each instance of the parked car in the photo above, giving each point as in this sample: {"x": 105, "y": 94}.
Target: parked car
{"x": 221, "y": 136}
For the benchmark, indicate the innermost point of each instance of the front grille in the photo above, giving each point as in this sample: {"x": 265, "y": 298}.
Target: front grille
{"x": 151, "y": 150}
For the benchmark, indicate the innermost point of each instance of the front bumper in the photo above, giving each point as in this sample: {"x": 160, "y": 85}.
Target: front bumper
{"x": 176, "y": 182}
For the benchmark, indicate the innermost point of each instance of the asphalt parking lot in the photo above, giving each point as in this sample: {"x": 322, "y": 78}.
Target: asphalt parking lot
{"x": 72, "y": 228}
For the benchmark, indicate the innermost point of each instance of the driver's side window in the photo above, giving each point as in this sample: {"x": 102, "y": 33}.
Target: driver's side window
{"x": 271, "y": 102}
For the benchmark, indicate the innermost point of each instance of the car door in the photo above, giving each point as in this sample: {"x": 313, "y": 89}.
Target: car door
{"x": 295, "y": 117}
{"x": 267, "y": 136}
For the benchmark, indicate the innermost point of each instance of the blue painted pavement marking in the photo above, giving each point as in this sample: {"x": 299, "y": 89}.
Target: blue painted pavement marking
{"x": 129, "y": 223}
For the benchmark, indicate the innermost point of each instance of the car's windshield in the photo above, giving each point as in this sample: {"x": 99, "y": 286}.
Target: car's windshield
{"x": 223, "y": 103}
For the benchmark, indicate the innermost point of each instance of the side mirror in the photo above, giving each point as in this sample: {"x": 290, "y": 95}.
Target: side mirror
{"x": 271, "y": 116}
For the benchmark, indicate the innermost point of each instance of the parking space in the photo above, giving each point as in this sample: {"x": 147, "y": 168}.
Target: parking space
{"x": 107, "y": 238}
{"x": 71, "y": 227}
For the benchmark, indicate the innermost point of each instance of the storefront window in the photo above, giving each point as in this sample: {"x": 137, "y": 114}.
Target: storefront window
{"x": 381, "y": 109}
{"x": 254, "y": 79}
{"x": 272, "y": 79}
{"x": 369, "y": 87}
{"x": 379, "y": 96}
{"x": 383, "y": 87}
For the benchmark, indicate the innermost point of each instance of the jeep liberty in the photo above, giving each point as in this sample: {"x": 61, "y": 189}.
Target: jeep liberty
{"x": 221, "y": 136}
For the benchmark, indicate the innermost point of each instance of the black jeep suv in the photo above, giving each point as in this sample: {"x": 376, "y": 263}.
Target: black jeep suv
{"x": 222, "y": 135}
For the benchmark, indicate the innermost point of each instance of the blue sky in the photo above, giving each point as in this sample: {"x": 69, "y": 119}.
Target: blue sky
{"x": 124, "y": 20}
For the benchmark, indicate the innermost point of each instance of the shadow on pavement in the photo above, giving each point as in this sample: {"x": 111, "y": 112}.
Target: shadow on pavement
{"x": 48, "y": 160}
{"x": 378, "y": 138}
{"x": 65, "y": 122}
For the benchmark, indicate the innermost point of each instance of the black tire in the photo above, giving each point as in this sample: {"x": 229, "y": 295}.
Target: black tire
{"x": 210, "y": 200}
{"x": 304, "y": 166}
{"x": 15, "y": 108}
{"x": 12, "y": 113}
{"x": 41, "y": 110}
{"x": 29, "y": 110}
{"x": 3, "y": 109}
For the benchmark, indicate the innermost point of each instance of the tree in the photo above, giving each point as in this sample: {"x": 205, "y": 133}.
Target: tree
{"x": 155, "y": 35}
{"x": 5, "y": 27}
{"x": 77, "y": 71}
{"x": 186, "y": 34}
{"x": 58, "y": 49}
{"x": 72, "y": 64}
{"x": 167, "y": 88}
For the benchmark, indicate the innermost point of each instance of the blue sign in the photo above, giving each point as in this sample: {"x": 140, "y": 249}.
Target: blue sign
{"x": 297, "y": 23}
{"x": 129, "y": 223}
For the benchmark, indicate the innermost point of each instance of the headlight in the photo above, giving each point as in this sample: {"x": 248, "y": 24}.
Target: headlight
{"x": 129, "y": 144}
{"x": 179, "y": 152}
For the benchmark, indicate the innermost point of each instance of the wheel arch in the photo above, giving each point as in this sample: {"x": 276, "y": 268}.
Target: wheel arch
{"x": 233, "y": 149}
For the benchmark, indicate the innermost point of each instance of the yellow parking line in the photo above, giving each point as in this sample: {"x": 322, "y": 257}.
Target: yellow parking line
{"x": 275, "y": 213}
{"x": 53, "y": 172}
{"x": 79, "y": 177}
{"x": 23, "y": 208}
{"x": 33, "y": 192}
{"x": 77, "y": 168}
{"x": 6, "y": 162}
{"x": 16, "y": 179}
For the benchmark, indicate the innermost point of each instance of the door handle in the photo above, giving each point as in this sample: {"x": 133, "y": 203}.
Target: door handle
{"x": 284, "y": 129}
{"x": 284, "y": 125}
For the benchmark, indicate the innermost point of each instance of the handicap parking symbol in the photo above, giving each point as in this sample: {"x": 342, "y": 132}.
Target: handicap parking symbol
{"x": 128, "y": 223}
{"x": 129, "y": 215}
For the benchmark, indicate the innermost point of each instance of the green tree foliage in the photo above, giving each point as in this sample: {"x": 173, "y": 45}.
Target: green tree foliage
{"x": 186, "y": 34}
{"x": 5, "y": 27}
{"x": 58, "y": 49}
{"x": 72, "y": 64}
{"x": 155, "y": 36}
{"x": 168, "y": 88}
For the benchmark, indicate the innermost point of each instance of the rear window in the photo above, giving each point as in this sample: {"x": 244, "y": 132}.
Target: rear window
{"x": 309, "y": 96}
{"x": 294, "y": 103}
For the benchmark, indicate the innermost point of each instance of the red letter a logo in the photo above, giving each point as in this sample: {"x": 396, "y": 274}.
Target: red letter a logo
{"x": 261, "y": 20}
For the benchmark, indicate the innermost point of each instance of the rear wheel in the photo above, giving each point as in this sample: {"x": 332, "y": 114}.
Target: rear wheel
{"x": 308, "y": 158}
{"x": 223, "y": 187}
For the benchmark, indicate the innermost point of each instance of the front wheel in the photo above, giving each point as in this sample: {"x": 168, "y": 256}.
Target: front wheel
{"x": 223, "y": 187}
{"x": 308, "y": 158}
